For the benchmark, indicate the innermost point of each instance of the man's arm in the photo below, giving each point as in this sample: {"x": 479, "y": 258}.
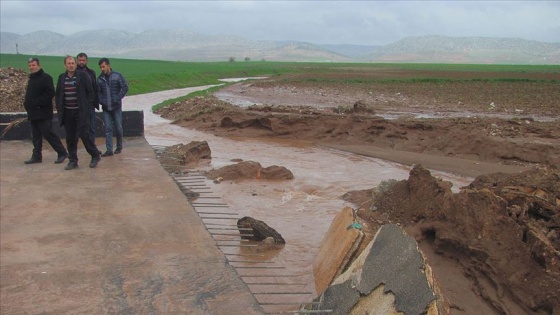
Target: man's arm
{"x": 90, "y": 93}
{"x": 57, "y": 93}
{"x": 48, "y": 92}
{"x": 58, "y": 100}
{"x": 124, "y": 87}
{"x": 100, "y": 87}
{"x": 95, "y": 88}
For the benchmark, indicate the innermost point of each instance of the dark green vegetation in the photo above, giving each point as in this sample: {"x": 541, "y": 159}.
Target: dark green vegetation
{"x": 146, "y": 76}
{"x": 193, "y": 94}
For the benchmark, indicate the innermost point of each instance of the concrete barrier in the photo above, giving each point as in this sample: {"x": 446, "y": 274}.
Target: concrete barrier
{"x": 133, "y": 125}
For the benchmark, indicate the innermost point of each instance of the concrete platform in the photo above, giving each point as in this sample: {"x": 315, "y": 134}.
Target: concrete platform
{"x": 117, "y": 239}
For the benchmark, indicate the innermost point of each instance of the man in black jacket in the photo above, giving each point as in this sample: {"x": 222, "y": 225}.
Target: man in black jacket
{"x": 39, "y": 107}
{"x": 74, "y": 99}
{"x": 82, "y": 59}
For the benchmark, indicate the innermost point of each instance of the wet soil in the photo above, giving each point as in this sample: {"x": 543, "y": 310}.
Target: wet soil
{"x": 494, "y": 245}
{"x": 512, "y": 123}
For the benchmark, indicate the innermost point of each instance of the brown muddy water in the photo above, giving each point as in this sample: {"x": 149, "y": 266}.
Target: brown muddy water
{"x": 301, "y": 210}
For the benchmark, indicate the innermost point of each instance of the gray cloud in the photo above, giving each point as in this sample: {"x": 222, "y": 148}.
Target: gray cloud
{"x": 326, "y": 22}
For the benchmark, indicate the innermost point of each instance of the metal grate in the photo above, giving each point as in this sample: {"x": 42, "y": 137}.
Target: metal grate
{"x": 276, "y": 291}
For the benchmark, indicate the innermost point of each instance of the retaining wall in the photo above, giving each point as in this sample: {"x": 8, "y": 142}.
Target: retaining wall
{"x": 133, "y": 125}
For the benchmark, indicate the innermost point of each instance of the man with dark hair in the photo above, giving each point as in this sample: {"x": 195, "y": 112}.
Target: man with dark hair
{"x": 82, "y": 59}
{"x": 39, "y": 107}
{"x": 74, "y": 98}
{"x": 111, "y": 87}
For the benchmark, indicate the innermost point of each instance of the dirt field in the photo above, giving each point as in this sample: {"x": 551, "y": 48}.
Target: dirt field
{"x": 495, "y": 246}
{"x": 509, "y": 132}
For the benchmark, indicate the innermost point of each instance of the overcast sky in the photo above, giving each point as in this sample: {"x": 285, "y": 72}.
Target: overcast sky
{"x": 321, "y": 22}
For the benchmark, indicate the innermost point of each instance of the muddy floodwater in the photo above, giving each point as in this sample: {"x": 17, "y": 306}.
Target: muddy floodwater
{"x": 302, "y": 209}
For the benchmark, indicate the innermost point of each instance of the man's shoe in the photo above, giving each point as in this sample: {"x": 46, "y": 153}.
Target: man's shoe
{"x": 71, "y": 165}
{"x": 94, "y": 161}
{"x": 61, "y": 158}
{"x": 117, "y": 151}
{"x": 33, "y": 161}
{"x": 107, "y": 153}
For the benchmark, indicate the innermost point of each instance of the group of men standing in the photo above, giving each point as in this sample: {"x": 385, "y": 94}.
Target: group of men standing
{"x": 78, "y": 94}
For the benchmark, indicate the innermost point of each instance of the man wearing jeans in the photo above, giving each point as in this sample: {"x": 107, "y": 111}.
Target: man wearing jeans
{"x": 111, "y": 88}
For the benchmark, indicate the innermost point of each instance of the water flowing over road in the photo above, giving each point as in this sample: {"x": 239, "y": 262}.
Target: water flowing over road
{"x": 302, "y": 209}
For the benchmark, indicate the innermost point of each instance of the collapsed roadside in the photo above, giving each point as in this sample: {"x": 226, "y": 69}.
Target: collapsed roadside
{"x": 500, "y": 234}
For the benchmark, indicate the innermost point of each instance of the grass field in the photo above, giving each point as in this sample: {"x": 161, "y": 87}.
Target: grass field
{"x": 146, "y": 76}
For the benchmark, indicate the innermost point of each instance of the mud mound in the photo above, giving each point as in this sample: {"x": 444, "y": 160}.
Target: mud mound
{"x": 250, "y": 170}
{"x": 177, "y": 158}
{"x": 13, "y": 83}
{"x": 191, "y": 153}
{"x": 502, "y": 230}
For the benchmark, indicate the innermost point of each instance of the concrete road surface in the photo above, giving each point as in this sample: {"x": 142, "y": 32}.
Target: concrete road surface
{"x": 117, "y": 239}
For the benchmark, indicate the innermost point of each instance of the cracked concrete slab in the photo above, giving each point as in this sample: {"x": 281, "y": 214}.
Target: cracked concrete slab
{"x": 391, "y": 261}
{"x": 394, "y": 260}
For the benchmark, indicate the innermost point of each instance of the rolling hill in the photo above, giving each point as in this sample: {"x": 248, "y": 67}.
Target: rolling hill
{"x": 182, "y": 45}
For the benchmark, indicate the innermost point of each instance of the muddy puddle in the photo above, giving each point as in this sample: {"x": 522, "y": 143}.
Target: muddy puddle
{"x": 302, "y": 209}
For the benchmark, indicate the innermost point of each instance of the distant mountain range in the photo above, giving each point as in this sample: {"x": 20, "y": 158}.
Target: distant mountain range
{"x": 182, "y": 45}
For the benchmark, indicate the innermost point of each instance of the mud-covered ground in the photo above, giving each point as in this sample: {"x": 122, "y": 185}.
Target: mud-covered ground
{"x": 500, "y": 122}
{"x": 495, "y": 246}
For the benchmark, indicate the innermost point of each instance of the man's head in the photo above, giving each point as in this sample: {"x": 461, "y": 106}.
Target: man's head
{"x": 105, "y": 66}
{"x": 34, "y": 65}
{"x": 70, "y": 64}
{"x": 82, "y": 60}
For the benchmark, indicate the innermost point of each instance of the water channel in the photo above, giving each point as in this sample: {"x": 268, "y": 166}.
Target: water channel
{"x": 301, "y": 210}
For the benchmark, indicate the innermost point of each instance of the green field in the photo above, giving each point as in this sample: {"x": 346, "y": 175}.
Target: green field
{"x": 146, "y": 76}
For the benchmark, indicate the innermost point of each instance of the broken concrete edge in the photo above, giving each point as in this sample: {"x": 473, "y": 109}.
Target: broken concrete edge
{"x": 392, "y": 261}
{"x": 19, "y": 129}
{"x": 337, "y": 249}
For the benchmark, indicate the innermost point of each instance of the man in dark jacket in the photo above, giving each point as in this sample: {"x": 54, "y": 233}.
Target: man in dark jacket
{"x": 39, "y": 107}
{"x": 111, "y": 87}
{"x": 82, "y": 59}
{"x": 74, "y": 99}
